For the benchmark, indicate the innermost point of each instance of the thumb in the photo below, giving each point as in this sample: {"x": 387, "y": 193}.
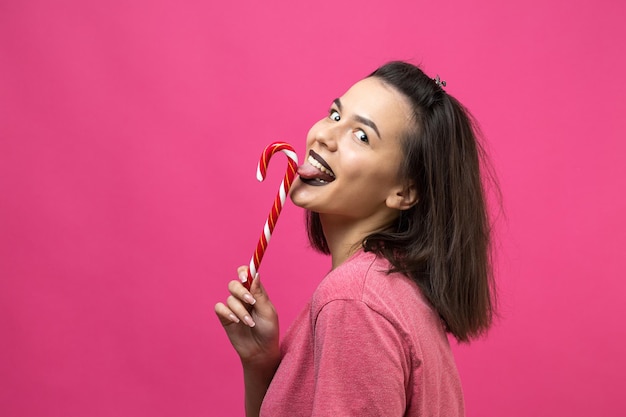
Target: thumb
{"x": 263, "y": 305}
{"x": 258, "y": 290}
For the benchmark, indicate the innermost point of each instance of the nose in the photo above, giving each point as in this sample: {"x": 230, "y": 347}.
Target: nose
{"x": 326, "y": 134}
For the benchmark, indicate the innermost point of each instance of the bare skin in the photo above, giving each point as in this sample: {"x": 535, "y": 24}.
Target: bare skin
{"x": 251, "y": 323}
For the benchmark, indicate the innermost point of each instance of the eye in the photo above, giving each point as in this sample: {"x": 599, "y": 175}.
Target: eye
{"x": 334, "y": 115}
{"x": 360, "y": 135}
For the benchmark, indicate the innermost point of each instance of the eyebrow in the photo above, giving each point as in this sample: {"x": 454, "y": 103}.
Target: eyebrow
{"x": 358, "y": 118}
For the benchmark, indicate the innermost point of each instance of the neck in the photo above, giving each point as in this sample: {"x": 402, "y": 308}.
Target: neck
{"x": 345, "y": 236}
{"x": 343, "y": 240}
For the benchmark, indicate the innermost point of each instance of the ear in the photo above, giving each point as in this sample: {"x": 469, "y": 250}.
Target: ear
{"x": 402, "y": 197}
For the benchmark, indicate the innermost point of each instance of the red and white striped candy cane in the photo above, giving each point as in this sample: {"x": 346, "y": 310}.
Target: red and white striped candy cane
{"x": 272, "y": 218}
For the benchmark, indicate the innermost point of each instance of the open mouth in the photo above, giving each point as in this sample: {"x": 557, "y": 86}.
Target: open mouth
{"x": 316, "y": 171}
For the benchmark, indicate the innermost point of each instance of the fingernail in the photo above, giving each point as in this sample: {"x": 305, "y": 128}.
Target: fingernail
{"x": 243, "y": 276}
{"x": 249, "y": 321}
{"x": 233, "y": 318}
{"x": 249, "y": 299}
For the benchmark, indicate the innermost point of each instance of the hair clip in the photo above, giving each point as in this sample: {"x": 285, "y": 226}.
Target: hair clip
{"x": 441, "y": 83}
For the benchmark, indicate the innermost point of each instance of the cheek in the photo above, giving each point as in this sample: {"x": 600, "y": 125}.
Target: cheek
{"x": 383, "y": 175}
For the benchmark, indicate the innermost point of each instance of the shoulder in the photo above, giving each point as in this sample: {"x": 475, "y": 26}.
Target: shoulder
{"x": 346, "y": 281}
{"x": 365, "y": 278}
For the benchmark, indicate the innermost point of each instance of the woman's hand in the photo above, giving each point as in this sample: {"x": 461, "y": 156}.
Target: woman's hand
{"x": 251, "y": 322}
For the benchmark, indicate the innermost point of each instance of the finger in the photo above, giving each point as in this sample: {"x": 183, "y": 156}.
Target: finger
{"x": 242, "y": 272}
{"x": 244, "y": 276}
{"x": 237, "y": 289}
{"x": 255, "y": 290}
{"x": 239, "y": 309}
{"x": 263, "y": 306}
{"x": 225, "y": 315}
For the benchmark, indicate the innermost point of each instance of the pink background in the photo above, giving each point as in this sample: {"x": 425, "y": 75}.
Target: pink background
{"x": 129, "y": 137}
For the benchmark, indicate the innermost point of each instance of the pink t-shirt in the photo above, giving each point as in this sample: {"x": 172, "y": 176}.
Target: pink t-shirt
{"x": 367, "y": 344}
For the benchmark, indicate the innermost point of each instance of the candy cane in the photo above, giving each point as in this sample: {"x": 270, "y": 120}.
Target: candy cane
{"x": 272, "y": 218}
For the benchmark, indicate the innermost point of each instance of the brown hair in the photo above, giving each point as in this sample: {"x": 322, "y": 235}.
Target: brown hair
{"x": 443, "y": 242}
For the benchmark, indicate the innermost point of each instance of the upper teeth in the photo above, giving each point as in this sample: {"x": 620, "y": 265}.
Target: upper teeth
{"x": 319, "y": 166}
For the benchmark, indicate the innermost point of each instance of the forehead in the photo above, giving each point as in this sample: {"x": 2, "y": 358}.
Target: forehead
{"x": 384, "y": 105}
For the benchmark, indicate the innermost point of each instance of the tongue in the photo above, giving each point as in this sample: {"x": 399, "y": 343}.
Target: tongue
{"x": 309, "y": 172}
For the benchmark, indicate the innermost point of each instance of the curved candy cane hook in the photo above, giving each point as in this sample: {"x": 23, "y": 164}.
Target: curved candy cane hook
{"x": 272, "y": 218}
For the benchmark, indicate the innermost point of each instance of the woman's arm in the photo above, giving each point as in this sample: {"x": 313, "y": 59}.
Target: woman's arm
{"x": 257, "y": 378}
{"x": 251, "y": 323}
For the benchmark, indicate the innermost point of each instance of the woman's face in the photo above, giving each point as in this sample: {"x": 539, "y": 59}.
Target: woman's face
{"x": 353, "y": 155}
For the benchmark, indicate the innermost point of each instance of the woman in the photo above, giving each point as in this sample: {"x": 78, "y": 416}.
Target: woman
{"x": 393, "y": 192}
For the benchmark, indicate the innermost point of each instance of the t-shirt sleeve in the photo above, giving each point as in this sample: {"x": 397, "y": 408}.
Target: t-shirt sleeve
{"x": 361, "y": 363}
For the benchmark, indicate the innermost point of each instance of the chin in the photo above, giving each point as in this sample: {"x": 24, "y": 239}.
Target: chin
{"x": 295, "y": 194}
